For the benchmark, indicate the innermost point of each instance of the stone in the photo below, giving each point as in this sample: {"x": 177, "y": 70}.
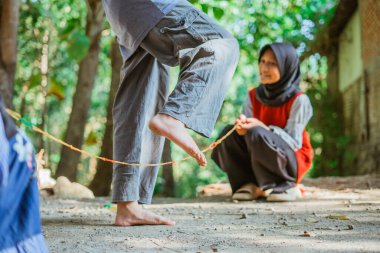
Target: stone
{"x": 71, "y": 190}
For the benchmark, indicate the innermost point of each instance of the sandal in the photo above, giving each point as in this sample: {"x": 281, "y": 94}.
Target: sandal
{"x": 247, "y": 192}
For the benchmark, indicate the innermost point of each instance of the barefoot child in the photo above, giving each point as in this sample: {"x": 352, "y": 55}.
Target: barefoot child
{"x": 152, "y": 35}
{"x": 270, "y": 151}
{"x": 20, "y": 224}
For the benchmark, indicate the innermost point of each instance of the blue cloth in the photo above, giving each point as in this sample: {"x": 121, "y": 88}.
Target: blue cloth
{"x": 20, "y": 223}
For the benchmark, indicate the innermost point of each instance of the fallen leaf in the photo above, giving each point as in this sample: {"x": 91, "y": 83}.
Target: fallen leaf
{"x": 305, "y": 234}
{"x": 338, "y": 217}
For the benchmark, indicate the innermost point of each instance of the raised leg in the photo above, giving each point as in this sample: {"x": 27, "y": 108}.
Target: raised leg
{"x": 207, "y": 56}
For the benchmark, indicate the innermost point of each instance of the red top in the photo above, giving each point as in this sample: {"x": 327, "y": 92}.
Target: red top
{"x": 278, "y": 116}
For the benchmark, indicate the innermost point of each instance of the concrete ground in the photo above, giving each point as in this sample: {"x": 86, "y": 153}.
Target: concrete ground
{"x": 326, "y": 220}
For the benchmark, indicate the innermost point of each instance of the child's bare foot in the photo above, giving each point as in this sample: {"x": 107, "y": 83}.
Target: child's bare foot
{"x": 132, "y": 214}
{"x": 175, "y": 131}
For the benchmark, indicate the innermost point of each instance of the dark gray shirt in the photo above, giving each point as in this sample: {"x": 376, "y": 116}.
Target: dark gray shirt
{"x": 131, "y": 20}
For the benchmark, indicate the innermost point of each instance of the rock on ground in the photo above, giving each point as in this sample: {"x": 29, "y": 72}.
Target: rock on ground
{"x": 67, "y": 190}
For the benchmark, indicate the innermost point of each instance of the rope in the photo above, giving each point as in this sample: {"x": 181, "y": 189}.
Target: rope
{"x": 19, "y": 118}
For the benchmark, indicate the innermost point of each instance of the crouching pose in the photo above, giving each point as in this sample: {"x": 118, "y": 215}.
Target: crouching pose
{"x": 270, "y": 151}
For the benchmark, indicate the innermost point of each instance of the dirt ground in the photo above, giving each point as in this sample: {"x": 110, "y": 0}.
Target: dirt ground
{"x": 331, "y": 218}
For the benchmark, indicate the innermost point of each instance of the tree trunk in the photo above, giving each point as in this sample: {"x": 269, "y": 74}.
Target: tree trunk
{"x": 44, "y": 87}
{"x": 101, "y": 183}
{"x": 82, "y": 99}
{"x": 9, "y": 13}
{"x": 167, "y": 172}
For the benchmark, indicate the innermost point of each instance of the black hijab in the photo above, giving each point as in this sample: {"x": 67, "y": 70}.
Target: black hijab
{"x": 279, "y": 93}
{"x": 9, "y": 126}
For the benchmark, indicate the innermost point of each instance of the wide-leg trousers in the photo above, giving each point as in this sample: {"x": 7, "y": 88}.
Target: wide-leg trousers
{"x": 207, "y": 56}
{"x": 260, "y": 157}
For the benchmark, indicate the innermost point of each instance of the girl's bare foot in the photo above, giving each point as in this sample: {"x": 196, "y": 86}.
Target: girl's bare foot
{"x": 132, "y": 214}
{"x": 175, "y": 131}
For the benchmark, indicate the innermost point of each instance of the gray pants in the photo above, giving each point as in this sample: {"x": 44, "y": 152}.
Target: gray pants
{"x": 207, "y": 55}
{"x": 260, "y": 157}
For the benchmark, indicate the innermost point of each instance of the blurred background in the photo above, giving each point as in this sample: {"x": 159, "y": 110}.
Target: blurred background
{"x": 60, "y": 69}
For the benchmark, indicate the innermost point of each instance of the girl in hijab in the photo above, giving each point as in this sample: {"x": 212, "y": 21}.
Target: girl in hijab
{"x": 270, "y": 151}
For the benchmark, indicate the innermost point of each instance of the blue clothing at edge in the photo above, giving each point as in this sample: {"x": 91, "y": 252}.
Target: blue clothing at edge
{"x": 20, "y": 224}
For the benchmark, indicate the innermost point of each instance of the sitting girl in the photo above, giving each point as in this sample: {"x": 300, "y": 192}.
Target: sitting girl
{"x": 270, "y": 151}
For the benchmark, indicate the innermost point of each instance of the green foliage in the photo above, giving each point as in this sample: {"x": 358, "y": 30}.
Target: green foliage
{"x": 61, "y": 26}
{"x": 56, "y": 89}
{"x": 35, "y": 79}
{"x": 77, "y": 45}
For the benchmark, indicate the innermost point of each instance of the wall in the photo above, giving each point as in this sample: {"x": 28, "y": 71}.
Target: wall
{"x": 354, "y": 73}
{"x": 369, "y": 149}
{"x": 351, "y": 81}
